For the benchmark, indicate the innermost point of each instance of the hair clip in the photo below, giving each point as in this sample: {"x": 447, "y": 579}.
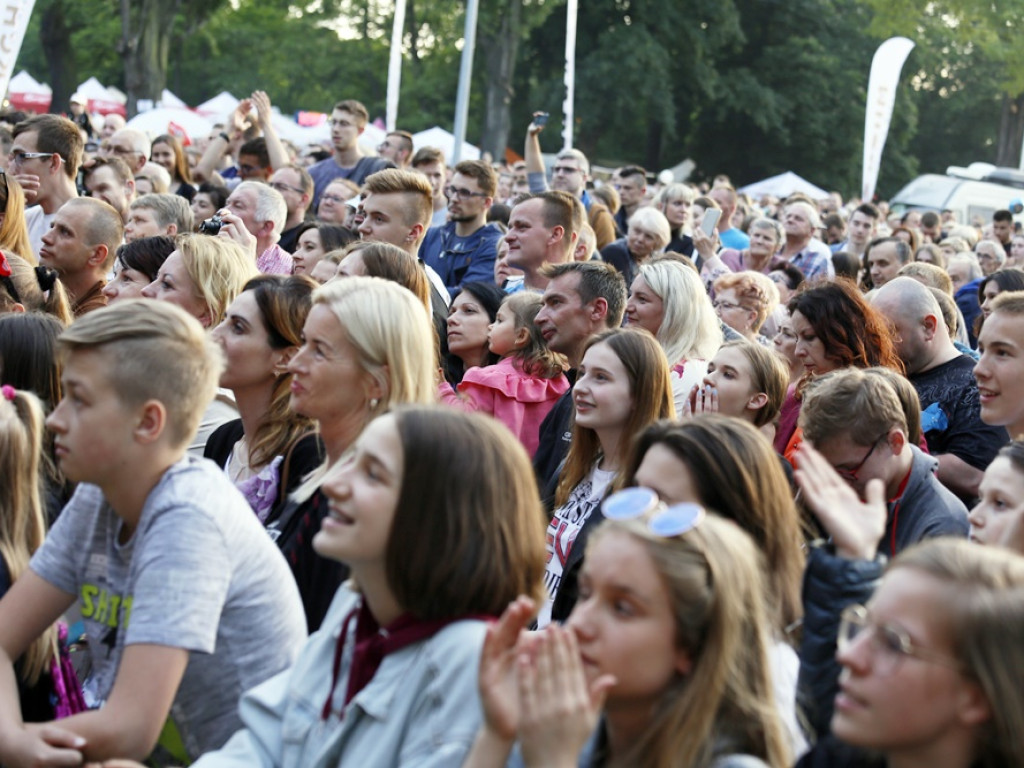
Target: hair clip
{"x": 9, "y": 392}
{"x": 46, "y": 277}
{"x": 5, "y": 267}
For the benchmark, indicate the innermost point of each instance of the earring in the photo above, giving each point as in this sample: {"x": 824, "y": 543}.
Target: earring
{"x": 374, "y": 402}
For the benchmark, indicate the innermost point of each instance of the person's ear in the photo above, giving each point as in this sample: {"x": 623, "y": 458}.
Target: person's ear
{"x": 98, "y": 255}
{"x": 684, "y": 662}
{"x": 931, "y": 325}
{"x": 282, "y": 357}
{"x": 557, "y": 233}
{"x": 522, "y": 336}
{"x": 973, "y": 707}
{"x": 172, "y": 230}
{"x": 150, "y": 423}
{"x": 598, "y": 309}
{"x": 897, "y": 441}
{"x": 415, "y": 233}
{"x": 757, "y": 402}
{"x": 129, "y": 187}
{"x": 376, "y": 388}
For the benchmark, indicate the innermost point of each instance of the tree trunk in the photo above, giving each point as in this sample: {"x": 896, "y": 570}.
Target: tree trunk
{"x": 145, "y": 47}
{"x": 1011, "y": 132}
{"x": 501, "y": 46}
{"x": 55, "y": 39}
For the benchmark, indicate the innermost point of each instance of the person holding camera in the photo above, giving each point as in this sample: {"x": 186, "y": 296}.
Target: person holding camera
{"x": 253, "y": 217}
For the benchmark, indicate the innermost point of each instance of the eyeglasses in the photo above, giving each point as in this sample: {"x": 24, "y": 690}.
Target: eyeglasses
{"x": 720, "y": 305}
{"x": 662, "y": 520}
{"x": 854, "y": 472}
{"x": 122, "y": 150}
{"x": 6, "y": 278}
{"x": 331, "y": 199}
{"x": 17, "y": 157}
{"x": 460, "y": 192}
{"x": 339, "y": 123}
{"x": 566, "y": 169}
{"x": 890, "y": 644}
{"x": 280, "y": 186}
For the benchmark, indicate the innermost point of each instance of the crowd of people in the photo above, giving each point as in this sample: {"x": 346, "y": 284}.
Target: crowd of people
{"x": 315, "y": 457}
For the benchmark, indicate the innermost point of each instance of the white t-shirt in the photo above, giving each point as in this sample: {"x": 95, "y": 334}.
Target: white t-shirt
{"x": 38, "y": 224}
{"x": 563, "y": 529}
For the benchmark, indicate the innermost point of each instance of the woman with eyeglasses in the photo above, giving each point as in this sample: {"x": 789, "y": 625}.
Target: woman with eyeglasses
{"x": 928, "y": 662}
{"x": 332, "y": 208}
{"x": 743, "y": 301}
{"x": 663, "y": 661}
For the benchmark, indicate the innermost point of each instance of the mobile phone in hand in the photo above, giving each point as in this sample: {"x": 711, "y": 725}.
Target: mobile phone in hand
{"x": 540, "y": 119}
{"x": 710, "y": 221}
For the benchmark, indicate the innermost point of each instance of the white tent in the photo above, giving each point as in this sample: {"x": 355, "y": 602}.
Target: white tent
{"x": 168, "y": 99}
{"x": 219, "y": 107}
{"x": 158, "y": 121}
{"x": 25, "y": 92}
{"x": 445, "y": 141}
{"x": 783, "y": 185}
{"x": 101, "y": 99}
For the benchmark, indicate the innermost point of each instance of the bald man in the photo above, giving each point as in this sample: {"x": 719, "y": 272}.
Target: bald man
{"x": 944, "y": 380}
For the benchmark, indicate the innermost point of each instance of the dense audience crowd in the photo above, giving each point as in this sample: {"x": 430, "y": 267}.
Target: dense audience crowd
{"x": 314, "y": 457}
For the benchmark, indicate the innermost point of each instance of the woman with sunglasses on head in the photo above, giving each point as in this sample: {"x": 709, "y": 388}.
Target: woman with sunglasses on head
{"x": 622, "y": 386}
{"x": 663, "y": 661}
{"x": 726, "y": 465}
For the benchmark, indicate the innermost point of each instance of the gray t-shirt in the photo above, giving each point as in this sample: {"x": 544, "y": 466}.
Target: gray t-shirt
{"x": 200, "y": 573}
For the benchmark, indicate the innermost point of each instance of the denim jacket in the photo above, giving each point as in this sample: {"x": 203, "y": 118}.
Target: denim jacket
{"x": 420, "y": 709}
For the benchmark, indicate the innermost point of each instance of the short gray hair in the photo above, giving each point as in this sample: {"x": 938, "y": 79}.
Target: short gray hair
{"x": 270, "y": 204}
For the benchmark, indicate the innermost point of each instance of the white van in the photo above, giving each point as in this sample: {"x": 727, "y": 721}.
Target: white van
{"x": 973, "y": 200}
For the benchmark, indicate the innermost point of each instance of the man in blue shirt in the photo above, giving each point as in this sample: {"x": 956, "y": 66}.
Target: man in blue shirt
{"x": 464, "y": 249}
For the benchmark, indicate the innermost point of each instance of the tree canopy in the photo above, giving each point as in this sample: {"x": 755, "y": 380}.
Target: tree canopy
{"x": 744, "y": 87}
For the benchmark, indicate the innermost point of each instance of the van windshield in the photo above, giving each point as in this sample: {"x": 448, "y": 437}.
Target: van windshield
{"x": 929, "y": 191}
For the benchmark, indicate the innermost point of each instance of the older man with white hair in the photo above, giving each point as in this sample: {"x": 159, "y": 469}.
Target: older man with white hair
{"x": 944, "y": 380}
{"x": 801, "y": 248}
{"x": 262, "y": 210}
{"x": 130, "y": 145}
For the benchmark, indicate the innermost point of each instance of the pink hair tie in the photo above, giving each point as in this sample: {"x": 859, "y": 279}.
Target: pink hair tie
{"x": 8, "y": 392}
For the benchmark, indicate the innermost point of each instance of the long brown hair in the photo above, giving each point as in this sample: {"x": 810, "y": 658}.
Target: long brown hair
{"x": 181, "y": 169}
{"x": 738, "y": 475}
{"x": 283, "y": 303}
{"x": 650, "y": 391}
{"x": 472, "y": 545}
{"x": 713, "y": 575}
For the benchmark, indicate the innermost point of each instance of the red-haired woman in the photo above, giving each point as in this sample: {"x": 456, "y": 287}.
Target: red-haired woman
{"x": 835, "y": 328}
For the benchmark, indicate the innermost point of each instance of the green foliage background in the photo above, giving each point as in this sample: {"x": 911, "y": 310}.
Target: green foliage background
{"x": 744, "y": 87}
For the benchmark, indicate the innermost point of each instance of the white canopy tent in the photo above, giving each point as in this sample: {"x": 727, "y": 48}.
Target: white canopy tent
{"x": 25, "y": 92}
{"x": 219, "y": 107}
{"x": 783, "y": 185}
{"x": 445, "y": 141}
{"x": 158, "y": 121}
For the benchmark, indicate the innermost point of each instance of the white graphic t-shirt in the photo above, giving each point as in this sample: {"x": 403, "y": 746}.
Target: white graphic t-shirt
{"x": 563, "y": 529}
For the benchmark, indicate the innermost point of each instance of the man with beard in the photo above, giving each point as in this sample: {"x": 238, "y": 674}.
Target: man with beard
{"x": 464, "y": 249}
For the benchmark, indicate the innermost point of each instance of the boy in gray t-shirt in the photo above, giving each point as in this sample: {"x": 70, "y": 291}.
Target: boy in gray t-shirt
{"x": 186, "y": 601}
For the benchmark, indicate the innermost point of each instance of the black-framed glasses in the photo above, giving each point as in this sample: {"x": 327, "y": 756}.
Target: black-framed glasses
{"x": 280, "y": 186}
{"x": 662, "y": 520}
{"x": 890, "y": 644}
{"x": 853, "y": 473}
{"x": 17, "y": 157}
{"x": 461, "y": 192}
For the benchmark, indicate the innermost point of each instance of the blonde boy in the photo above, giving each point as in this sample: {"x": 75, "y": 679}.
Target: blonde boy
{"x": 185, "y": 600}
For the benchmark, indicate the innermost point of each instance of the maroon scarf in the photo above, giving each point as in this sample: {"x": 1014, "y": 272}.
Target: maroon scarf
{"x": 374, "y": 642}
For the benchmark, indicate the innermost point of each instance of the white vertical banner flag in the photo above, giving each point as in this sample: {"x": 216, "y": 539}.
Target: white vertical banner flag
{"x": 14, "y": 16}
{"x": 395, "y": 65}
{"x": 570, "y": 73}
{"x": 885, "y": 76}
